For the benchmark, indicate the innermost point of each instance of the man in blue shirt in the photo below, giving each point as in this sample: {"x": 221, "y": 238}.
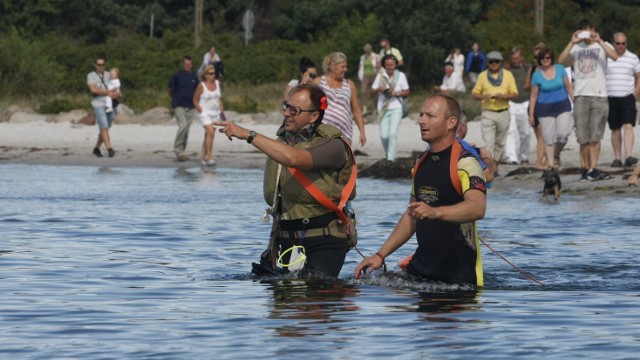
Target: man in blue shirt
{"x": 182, "y": 86}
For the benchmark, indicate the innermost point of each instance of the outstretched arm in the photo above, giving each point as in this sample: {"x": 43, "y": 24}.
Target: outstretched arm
{"x": 279, "y": 152}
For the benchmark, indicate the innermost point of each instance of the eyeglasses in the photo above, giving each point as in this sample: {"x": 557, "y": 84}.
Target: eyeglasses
{"x": 211, "y": 73}
{"x": 99, "y": 64}
{"x": 495, "y": 61}
{"x": 546, "y": 58}
{"x": 621, "y": 43}
{"x": 313, "y": 75}
{"x": 294, "y": 110}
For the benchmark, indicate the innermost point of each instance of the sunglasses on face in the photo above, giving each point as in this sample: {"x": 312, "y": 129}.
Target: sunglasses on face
{"x": 546, "y": 58}
{"x": 621, "y": 43}
{"x": 495, "y": 61}
{"x": 313, "y": 75}
{"x": 99, "y": 64}
{"x": 211, "y": 73}
{"x": 293, "y": 110}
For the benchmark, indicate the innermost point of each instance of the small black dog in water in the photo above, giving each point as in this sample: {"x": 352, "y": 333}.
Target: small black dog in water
{"x": 552, "y": 184}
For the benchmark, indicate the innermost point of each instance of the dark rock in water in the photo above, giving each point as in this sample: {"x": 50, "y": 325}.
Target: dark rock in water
{"x": 570, "y": 171}
{"x": 387, "y": 169}
{"x": 522, "y": 171}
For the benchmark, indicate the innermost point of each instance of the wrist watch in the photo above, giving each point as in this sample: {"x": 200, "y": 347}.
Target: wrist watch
{"x": 252, "y": 135}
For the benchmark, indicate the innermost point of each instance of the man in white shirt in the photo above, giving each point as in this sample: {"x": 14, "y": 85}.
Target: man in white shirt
{"x": 623, "y": 87}
{"x": 588, "y": 53}
{"x": 451, "y": 82}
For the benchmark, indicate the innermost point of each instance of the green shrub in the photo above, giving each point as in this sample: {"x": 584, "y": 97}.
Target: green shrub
{"x": 26, "y": 67}
{"x": 54, "y": 106}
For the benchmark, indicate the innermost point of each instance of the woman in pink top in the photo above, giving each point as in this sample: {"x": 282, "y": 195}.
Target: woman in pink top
{"x": 342, "y": 97}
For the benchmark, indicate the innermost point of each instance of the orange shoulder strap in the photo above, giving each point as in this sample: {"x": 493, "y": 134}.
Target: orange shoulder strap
{"x": 321, "y": 197}
{"x": 453, "y": 166}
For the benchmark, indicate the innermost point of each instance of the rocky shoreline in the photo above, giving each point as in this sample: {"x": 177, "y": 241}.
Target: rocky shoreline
{"x": 146, "y": 140}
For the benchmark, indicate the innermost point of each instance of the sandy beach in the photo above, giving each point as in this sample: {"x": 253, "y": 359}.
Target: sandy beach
{"x": 41, "y": 142}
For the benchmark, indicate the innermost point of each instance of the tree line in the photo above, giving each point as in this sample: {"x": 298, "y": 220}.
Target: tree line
{"x": 47, "y": 46}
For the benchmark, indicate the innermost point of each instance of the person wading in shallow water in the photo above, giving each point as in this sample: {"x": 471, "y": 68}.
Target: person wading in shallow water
{"x": 447, "y": 197}
{"x": 306, "y": 150}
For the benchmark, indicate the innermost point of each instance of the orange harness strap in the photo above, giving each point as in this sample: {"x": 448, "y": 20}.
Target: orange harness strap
{"x": 453, "y": 166}
{"x": 323, "y": 199}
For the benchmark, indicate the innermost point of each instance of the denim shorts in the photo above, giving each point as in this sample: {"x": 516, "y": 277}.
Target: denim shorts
{"x": 103, "y": 118}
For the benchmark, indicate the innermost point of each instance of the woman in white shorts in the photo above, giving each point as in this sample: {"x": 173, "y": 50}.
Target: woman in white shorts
{"x": 208, "y": 102}
{"x": 550, "y": 102}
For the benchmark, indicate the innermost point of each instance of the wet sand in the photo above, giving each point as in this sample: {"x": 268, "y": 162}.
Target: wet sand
{"x": 48, "y": 143}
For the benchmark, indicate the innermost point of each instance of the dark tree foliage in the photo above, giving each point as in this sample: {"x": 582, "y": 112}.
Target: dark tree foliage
{"x": 62, "y": 36}
{"x": 425, "y": 32}
{"x": 305, "y": 20}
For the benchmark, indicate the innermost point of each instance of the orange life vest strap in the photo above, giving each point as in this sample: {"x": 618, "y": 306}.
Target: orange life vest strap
{"x": 453, "y": 166}
{"x": 320, "y": 197}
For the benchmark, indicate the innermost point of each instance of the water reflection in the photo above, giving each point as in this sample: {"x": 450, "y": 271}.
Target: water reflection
{"x": 107, "y": 170}
{"x": 311, "y": 302}
{"x": 431, "y": 303}
{"x": 187, "y": 174}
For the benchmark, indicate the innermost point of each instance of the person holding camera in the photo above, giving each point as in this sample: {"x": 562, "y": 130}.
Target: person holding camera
{"x": 588, "y": 54}
{"x": 391, "y": 85}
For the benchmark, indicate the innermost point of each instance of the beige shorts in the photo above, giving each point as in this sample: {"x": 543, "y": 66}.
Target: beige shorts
{"x": 590, "y": 114}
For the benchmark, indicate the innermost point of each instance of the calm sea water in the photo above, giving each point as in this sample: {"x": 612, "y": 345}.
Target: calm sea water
{"x": 154, "y": 263}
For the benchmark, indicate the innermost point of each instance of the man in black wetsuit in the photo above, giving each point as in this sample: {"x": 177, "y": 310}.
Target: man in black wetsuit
{"x": 448, "y": 195}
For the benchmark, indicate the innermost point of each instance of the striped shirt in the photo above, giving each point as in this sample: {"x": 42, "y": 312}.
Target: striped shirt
{"x": 338, "y": 111}
{"x": 621, "y": 74}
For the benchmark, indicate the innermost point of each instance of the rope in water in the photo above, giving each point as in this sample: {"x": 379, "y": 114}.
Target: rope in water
{"x": 528, "y": 276}
{"x": 384, "y": 264}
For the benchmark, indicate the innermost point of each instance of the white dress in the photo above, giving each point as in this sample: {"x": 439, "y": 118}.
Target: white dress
{"x": 210, "y": 104}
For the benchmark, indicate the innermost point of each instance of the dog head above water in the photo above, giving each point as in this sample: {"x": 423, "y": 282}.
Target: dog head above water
{"x": 550, "y": 177}
{"x": 552, "y": 184}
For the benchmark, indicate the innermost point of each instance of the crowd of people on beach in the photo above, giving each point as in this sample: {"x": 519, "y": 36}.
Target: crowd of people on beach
{"x": 592, "y": 84}
{"x": 310, "y": 173}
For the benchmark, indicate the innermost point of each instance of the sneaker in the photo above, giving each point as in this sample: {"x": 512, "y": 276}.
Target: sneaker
{"x": 211, "y": 163}
{"x": 97, "y": 152}
{"x": 616, "y": 163}
{"x": 584, "y": 176}
{"x": 594, "y": 175}
{"x": 112, "y": 153}
{"x": 630, "y": 161}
